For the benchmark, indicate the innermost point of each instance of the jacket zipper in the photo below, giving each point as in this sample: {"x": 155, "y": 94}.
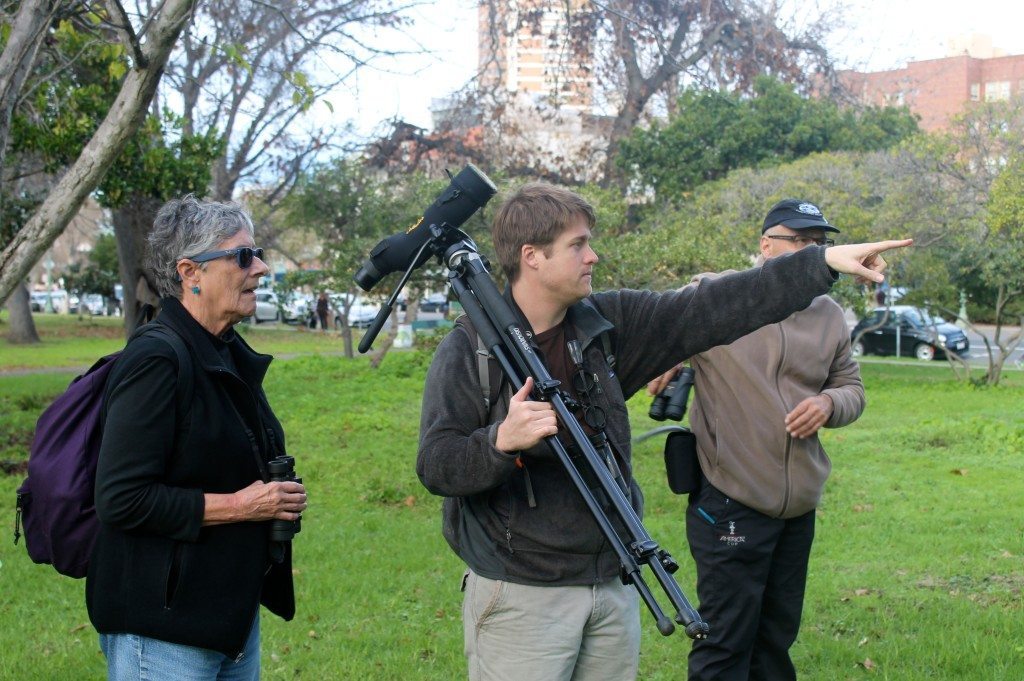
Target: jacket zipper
{"x": 789, "y": 439}
{"x": 785, "y": 498}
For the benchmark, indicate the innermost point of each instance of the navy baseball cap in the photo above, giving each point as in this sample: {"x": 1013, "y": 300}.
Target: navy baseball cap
{"x": 796, "y": 214}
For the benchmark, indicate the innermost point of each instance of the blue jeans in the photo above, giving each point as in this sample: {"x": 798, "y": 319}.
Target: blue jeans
{"x": 139, "y": 658}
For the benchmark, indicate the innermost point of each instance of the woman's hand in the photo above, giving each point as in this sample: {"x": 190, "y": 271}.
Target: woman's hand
{"x": 272, "y": 500}
{"x": 259, "y": 501}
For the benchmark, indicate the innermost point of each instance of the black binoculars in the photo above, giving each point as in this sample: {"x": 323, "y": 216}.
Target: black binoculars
{"x": 282, "y": 468}
{"x": 670, "y": 403}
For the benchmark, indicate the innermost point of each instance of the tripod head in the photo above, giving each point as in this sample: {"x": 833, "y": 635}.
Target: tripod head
{"x": 433, "y": 234}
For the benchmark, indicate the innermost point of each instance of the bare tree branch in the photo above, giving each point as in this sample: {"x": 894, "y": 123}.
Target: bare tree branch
{"x": 123, "y": 27}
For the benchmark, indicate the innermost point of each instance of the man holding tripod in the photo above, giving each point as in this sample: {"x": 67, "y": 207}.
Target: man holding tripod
{"x": 759, "y": 404}
{"x": 543, "y": 598}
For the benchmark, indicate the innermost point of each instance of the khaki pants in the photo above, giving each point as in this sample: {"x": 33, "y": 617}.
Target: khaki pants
{"x": 550, "y": 633}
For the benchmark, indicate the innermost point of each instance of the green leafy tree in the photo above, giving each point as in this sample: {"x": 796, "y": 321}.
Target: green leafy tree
{"x": 715, "y": 132}
{"x": 997, "y": 260}
{"x": 159, "y": 161}
{"x": 954, "y": 192}
{"x": 119, "y": 123}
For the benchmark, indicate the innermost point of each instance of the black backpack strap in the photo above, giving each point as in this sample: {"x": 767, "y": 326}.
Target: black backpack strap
{"x": 185, "y": 385}
{"x": 608, "y": 346}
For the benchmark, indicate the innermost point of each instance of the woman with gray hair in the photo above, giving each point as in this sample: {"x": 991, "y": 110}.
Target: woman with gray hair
{"x": 185, "y": 554}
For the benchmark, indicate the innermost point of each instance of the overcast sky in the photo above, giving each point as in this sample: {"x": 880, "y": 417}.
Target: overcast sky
{"x": 881, "y": 34}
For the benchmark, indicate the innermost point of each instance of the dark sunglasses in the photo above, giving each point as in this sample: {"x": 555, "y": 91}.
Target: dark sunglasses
{"x": 243, "y": 255}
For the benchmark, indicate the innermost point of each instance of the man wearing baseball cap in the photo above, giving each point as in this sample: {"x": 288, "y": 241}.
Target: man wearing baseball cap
{"x": 758, "y": 405}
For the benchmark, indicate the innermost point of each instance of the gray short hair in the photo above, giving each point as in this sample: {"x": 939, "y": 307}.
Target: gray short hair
{"x": 185, "y": 227}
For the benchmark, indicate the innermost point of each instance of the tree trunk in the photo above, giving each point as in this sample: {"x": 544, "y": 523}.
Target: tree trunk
{"x": 346, "y": 330}
{"x": 23, "y": 328}
{"x": 121, "y": 122}
{"x": 132, "y": 223}
{"x": 384, "y": 345}
{"x": 16, "y": 62}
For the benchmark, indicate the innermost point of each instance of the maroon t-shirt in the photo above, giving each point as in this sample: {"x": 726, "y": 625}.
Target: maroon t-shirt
{"x": 555, "y": 353}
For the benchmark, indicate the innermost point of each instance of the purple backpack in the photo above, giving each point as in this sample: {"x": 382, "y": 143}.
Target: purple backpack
{"x": 56, "y": 503}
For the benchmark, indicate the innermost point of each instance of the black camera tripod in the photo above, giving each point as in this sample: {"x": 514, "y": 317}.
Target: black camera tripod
{"x": 500, "y": 331}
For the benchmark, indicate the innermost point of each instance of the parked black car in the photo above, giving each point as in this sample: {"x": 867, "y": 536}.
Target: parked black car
{"x": 918, "y": 333}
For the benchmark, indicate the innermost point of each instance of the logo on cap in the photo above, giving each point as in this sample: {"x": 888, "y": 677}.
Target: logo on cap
{"x": 809, "y": 209}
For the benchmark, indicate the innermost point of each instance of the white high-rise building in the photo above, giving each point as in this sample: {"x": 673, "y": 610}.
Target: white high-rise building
{"x": 538, "y": 48}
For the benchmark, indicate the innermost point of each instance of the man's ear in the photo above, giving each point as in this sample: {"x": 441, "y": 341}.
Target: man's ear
{"x": 766, "y": 246}
{"x": 528, "y": 255}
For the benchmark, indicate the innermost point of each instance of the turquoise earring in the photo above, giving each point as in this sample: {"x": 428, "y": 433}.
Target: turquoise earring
{"x": 195, "y": 290}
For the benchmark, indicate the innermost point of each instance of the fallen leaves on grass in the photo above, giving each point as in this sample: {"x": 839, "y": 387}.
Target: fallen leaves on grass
{"x": 857, "y": 592}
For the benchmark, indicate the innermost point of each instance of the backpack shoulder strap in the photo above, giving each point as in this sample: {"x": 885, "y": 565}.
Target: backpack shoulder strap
{"x": 186, "y": 377}
{"x": 491, "y": 376}
{"x": 607, "y": 336}
{"x": 608, "y": 345}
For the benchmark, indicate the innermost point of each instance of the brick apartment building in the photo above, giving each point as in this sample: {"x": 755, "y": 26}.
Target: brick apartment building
{"x": 937, "y": 89}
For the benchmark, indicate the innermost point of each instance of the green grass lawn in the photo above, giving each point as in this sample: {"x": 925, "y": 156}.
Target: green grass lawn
{"x": 68, "y": 341}
{"x": 916, "y": 572}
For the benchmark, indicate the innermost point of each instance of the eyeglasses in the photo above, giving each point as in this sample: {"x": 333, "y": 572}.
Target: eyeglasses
{"x": 243, "y": 255}
{"x": 803, "y": 241}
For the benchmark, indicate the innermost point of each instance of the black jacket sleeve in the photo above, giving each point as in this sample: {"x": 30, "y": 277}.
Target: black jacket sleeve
{"x": 137, "y": 446}
{"x": 655, "y": 331}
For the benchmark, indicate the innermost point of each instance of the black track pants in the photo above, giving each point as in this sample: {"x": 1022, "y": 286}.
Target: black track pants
{"x": 751, "y": 574}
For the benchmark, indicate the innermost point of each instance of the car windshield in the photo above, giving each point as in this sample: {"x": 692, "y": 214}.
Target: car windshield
{"x": 919, "y": 317}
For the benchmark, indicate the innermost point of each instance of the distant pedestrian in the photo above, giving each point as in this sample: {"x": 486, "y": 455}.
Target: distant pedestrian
{"x": 322, "y": 305}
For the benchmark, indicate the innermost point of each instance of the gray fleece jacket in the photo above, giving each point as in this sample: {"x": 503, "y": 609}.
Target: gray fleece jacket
{"x": 486, "y": 517}
{"x": 743, "y": 392}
